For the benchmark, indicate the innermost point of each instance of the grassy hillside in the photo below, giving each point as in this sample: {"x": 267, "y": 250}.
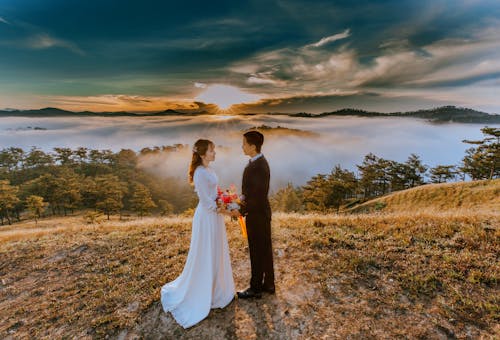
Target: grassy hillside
{"x": 393, "y": 275}
{"x": 476, "y": 195}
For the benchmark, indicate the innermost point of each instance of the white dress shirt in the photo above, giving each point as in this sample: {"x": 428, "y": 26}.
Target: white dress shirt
{"x": 254, "y": 158}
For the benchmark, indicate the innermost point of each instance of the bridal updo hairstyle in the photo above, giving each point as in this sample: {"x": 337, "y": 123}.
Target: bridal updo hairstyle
{"x": 255, "y": 138}
{"x": 199, "y": 149}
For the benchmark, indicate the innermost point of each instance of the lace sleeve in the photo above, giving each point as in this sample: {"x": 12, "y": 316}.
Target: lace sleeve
{"x": 202, "y": 188}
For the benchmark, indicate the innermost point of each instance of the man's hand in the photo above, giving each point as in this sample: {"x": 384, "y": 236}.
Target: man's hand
{"x": 235, "y": 213}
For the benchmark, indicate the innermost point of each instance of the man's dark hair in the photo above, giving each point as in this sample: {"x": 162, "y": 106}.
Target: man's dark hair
{"x": 254, "y": 138}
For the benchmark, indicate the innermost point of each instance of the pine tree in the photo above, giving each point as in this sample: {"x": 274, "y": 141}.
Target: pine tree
{"x": 287, "y": 199}
{"x": 291, "y": 199}
{"x": 68, "y": 191}
{"x": 315, "y": 193}
{"x": 398, "y": 174}
{"x": 110, "y": 191}
{"x": 375, "y": 176}
{"x": 8, "y": 199}
{"x": 416, "y": 171}
{"x": 46, "y": 186}
{"x": 36, "y": 206}
{"x": 483, "y": 161}
{"x": 442, "y": 173}
{"x": 141, "y": 201}
{"x": 166, "y": 208}
{"x": 81, "y": 154}
{"x": 64, "y": 156}
{"x": 36, "y": 158}
{"x": 342, "y": 185}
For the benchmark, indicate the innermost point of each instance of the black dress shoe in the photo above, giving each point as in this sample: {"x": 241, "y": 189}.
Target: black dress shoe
{"x": 268, "y": 290}
{"x": 249, "y": 293}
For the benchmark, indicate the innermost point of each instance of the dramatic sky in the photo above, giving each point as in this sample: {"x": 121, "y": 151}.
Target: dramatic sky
{"x": 262, "y": 55}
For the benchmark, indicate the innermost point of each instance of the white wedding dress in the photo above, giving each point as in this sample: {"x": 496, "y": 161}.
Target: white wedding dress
{"x": 207, "y": 279}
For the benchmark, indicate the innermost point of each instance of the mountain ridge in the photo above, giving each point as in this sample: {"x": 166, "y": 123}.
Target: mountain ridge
{"x": 437, "y": 115}
{"x": 447, "y": 113}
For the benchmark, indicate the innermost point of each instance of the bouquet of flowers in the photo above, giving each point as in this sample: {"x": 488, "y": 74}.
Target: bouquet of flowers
{"x": 229, "y": 200}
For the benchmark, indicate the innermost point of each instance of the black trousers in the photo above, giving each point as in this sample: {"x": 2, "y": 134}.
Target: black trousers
{"x": 261, "y": 251}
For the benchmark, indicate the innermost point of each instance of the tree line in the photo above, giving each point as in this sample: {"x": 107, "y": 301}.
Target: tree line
{"x": 66, "y": 180}
{"x": 378, "y": 176}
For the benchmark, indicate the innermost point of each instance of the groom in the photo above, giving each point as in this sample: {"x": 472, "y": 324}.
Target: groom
{"x": 256, "y": 208}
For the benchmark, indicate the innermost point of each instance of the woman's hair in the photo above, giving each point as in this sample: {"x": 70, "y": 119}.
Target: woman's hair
{"x": 255, "y": 138}
{"x": 200, "y": 148}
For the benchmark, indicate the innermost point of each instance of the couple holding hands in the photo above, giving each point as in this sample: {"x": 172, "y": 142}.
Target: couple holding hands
{"x": 207, "y": 279}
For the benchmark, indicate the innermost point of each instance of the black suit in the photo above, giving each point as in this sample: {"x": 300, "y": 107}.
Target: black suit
{"x": 255, "y": 188}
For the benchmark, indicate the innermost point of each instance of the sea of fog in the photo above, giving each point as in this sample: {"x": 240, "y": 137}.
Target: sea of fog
{"x": 293, "y": 158}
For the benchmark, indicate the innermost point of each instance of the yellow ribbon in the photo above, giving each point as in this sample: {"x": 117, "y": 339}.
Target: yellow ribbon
{"x": 243, "y": 226}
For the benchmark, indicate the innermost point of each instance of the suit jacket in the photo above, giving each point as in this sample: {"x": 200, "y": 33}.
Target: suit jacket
{"x": 255, "y": 188}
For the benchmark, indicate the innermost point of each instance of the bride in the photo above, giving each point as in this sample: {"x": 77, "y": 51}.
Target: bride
{"x": 207, "y": 279}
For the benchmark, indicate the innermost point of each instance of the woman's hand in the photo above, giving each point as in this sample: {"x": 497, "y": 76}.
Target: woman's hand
{"x": 223, "y": 211}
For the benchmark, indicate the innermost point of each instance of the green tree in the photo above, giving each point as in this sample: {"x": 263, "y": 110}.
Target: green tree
{"x": 61, "y": 189}
{"x": 415, "y": 171}
{"x": 141, "y": 201}
{"x": 64, "y": 156}
{"x": 12, "y": 160}
{"x": 398, "y": 174}
{"x": 342, "y": 185}
{"x": 37, "y": 158}
{"x": 443, "y": 173}
{"x": 323, "y": 193}
{"x": 68, "y": 190}
{"x": 89, "y": 192}
{"x": 7, "y": 161}
{"x": 375, "y": 176}
{"x": 177, "y": 192}
{"x": 483, "y": 161}
{"x": 81, "y": 154}
{"x": 46, "y": 186}
{"x": 99, "y": 163}
{"x": 8, "y": 200}
{"x": 287, "y": 199}
{"x": 166, "y": 208}
{"x": 36, "y": 163}
{"x": 126, "y": 158}
{"x": 315, "y": 193}
{"x": 36, "y": 206}
{"x": 110, "y": 191}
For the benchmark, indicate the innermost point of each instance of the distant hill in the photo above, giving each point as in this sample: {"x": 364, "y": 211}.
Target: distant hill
{"x": 55, "y": 112}
{"x": 437, "y": 115}
{"x": 455, "y": 114}
{"x": 280, "y": 130}
{"x": 475, "y": 195}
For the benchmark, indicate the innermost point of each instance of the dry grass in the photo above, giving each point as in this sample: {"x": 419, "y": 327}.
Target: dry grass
{"x": 466, "y": 196}
{"x": 71, "y": 224}
{"x": 421, "y": 275}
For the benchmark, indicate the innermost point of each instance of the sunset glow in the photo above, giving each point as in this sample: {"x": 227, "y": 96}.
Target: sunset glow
{"x": 224, "y": 96}
{"x": 232, "y": 57}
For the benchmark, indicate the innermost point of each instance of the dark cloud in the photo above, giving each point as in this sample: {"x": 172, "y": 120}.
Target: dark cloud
{"x": 274, "y": 48}
{"x": 369, "y": 101}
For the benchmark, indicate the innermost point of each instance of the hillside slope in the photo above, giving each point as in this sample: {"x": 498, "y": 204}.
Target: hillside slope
{"x": 476, "y": 195}
{"x": 413, "y": 275}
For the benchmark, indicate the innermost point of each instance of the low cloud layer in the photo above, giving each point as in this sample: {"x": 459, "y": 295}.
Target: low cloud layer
{"x": 293, "y": 158}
